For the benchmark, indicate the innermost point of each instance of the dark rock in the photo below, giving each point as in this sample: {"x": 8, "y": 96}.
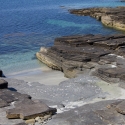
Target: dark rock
{"x": 7, "y": 96}
{"x": 1, "y": 73}
{"x": 111, "y": 44}
{"x": 3, "y": 103}
{"x": 108, "y": 59}
{"x": 121, "y": 51}
{"x": 87, "y": 54}
{"x": 112, "y": 72}
{"x": 26, "y": 101}
{"x": 120, "y": 108}
{"x": 29, "y": 111}
{"x": 112, "y": 17}
{"x": 114, "y": 104}
{"x": 90, "y": 114}
{"x": 3, "y": 84}
{"x": 111, "y": 116}
{"x": 110, "y": 75}
{"x": 87, "y": 118}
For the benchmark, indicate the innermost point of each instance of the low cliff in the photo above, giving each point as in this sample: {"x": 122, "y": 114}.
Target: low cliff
{"x": 111, "y": 17}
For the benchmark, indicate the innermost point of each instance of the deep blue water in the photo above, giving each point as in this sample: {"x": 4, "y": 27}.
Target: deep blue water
{"x": 26, "y": 25}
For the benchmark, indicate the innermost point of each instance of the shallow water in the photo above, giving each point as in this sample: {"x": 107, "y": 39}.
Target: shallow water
{"x": 27, "y": 25}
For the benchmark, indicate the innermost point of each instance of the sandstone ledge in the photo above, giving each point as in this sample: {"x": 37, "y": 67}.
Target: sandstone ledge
{"x": 103, "y": 56}
{"x": 111, "y": 17}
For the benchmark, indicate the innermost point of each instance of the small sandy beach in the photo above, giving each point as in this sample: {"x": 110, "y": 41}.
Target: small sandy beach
{"x": 43, "y": 75}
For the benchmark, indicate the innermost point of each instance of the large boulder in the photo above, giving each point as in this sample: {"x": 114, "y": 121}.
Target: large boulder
{"x": 3, "y": 84}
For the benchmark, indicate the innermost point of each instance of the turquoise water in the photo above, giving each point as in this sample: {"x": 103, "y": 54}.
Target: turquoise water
{"x": 27, "y": 25}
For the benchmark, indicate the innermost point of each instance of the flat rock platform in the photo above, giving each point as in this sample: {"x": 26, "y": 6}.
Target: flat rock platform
{"x": 96, "y": 55}
{"x": 111, "y": 17}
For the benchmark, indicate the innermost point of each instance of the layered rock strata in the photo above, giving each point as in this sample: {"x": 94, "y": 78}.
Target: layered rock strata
{"x": 21, "y": 106}
{"x": 101, "y": 113}
{"x": 98, "y": 55}
{"x": 112, "y": 17}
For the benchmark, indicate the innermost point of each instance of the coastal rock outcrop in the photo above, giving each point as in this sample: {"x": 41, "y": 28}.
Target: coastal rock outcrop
{"x": 30, "y": 110}
{"x": 103, "y": 56}
{"x": 21, "y": 106}
{"x": 112, "y": 17}
{"x": 99, "y": 113}
{"x": 75, "y": 95}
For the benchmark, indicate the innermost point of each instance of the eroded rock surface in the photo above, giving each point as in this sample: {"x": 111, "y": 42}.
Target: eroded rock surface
{"x": 98, "y": 55}
{"x": 99, "y": 113}
{"x": 29, "y": 111}
{"x": 7, "y": 96}
{"x": 112, "y": 17}
{"x": 82, "y": 88}
{"x": 14, "y": 105}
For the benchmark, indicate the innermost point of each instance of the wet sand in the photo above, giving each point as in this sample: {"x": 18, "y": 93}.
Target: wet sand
{"x": 42, "y": 75}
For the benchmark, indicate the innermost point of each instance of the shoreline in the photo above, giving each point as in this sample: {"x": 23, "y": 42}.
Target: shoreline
{"x": 51, "y": 97}
{"x": 40, "y": 75}
{"x": 95, "y": 64}
{"x": 110, "y": 17}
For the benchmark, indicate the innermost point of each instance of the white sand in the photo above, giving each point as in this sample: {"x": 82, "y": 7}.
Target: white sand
{"x": 48, "y": 76}
{"x": 42, "y": 75}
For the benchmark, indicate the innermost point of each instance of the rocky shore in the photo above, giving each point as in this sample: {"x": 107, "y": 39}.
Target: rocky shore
{"x": 76, "y": 101}
{"x": 90, "y": 57}
{"x": 111, "y": 17}
{"x": 95, "y": 92}
{"x": 20, "y": 109}
{"x": 98, "y": 55}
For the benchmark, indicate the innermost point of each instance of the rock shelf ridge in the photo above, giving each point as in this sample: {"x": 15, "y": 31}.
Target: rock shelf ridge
{"x": 111, "y": 17}
{"x": 99, "y": 55}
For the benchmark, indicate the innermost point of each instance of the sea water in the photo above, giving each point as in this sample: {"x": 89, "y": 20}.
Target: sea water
{"x": 26, "y": 25}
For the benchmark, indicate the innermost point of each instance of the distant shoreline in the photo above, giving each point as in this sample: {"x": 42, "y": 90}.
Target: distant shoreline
{"x": 111, "y": 17}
